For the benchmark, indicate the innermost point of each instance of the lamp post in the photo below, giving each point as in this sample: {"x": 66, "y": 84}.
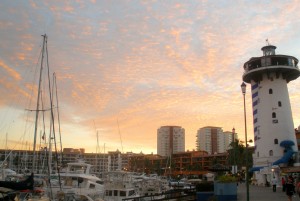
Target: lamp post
{"x": 243, "y": 87}
{"x": 234, "y": 150}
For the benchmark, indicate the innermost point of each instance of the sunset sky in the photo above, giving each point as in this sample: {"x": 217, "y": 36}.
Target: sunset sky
{"x": 124, "y": 68}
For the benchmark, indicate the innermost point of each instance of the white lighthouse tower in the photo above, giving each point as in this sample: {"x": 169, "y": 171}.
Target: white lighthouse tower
{"x": 274, "y": 134}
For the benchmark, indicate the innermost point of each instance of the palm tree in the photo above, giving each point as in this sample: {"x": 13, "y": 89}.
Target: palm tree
{"x": 237, "y": 155}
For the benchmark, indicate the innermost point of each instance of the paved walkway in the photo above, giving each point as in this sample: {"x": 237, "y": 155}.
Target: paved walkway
{"x": 260, "y": 193}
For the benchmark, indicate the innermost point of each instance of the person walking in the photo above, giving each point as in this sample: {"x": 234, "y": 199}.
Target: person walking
{"x": 274, "y": 184}
{"x": 283, "y": 184}
{"x": 298, "y": 187}
{"x": 290, "y": 188}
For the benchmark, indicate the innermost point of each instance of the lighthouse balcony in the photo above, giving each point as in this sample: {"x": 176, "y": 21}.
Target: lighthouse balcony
{"x": 280, "y": 64}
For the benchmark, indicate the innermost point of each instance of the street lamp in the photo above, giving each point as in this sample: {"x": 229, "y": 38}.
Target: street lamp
{"x": 243, "y": 86}
{"x": 234, "y": 150}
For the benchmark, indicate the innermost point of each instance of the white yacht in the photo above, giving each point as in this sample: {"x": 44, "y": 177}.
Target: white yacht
{"x": 119, "y": 185}
{"x": 151, "y": 185}
{"x": 78, "y": 180}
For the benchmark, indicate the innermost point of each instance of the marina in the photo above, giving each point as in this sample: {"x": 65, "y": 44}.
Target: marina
{"x": 149, "y": 100}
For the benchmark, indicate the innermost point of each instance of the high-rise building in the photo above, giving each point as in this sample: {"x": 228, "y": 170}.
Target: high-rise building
{"x": 274, "y": 134}
{"x": 229, "y": 137}
{"x": 170, "y": 139}
{"x": 211, "y": 139}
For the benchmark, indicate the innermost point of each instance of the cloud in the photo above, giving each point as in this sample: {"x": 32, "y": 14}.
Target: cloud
{"x": 11, "y": 72}
{"x": 145, "y": 64}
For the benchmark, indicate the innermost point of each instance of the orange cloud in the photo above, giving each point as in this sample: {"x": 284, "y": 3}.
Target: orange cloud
{"x": 14, "y": 74}
{"x": 147, "y": 64}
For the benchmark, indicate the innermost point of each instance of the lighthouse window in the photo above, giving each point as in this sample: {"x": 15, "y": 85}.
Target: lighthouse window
{"x": 271, "y": 153}
{"x": 275, "y": 141}
{"x": 265, "y": 62}
{"x": 255, "y": 112}
{"x": 279, "y": 103}
{"x": 270, "y": 91}
{"x": 291, "y": 62}
{"x": 281, "y": 61}
{"x": 273, "y": 115}
{"x": 254, "y": 103}
{"x": 257, "y": 154}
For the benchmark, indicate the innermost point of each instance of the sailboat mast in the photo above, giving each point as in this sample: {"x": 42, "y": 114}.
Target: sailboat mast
{"x": 38, "y": 103}
{"x": 52, "y": 119}
{"x": 97, "y": 152}
{"x": 57, "y": 108}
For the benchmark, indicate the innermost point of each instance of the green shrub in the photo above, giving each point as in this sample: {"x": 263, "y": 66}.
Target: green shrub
{"x": 226, "y": 179}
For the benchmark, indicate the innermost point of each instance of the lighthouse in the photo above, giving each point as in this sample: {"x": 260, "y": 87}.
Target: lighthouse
{"x": 274, "y": 134}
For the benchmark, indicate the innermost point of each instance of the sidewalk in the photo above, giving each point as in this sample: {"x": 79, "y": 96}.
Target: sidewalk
{"x": 260, "y": 193}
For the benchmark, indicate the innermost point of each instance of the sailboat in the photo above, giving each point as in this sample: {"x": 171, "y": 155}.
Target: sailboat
{"x": 29, "y": 185}
{"x": 19, "y": 185}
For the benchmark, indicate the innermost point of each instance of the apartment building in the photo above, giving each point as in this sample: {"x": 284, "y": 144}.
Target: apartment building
{"x": 183, "y": 163}
{"x": 210, "y": 139}
{"x": 21, "y": 160}
{"x": 170, "y": 140}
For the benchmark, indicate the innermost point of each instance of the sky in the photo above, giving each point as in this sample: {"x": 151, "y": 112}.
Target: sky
{"x": 124, "y": 68}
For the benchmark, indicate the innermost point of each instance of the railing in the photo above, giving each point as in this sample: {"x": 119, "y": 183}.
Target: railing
{"x": 270, "y": 61}
{"x": 177, "y": 194}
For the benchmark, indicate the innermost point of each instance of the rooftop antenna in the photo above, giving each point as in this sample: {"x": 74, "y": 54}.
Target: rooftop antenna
{"x": 267, "y": 41}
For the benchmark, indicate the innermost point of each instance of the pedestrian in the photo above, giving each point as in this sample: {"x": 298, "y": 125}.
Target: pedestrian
{"x": 290, "y": 188}
{"x": 283, "y": 184}
{"x": 274, "y": 184}
{"x": 298, "y": 187}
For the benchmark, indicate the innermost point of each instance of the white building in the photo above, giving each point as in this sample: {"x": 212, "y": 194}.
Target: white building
{"x": 229, "y": 137}
{"x": 274, "y": 135}
{"x": 211, "y": 139}
{"x": 170, "y": 139}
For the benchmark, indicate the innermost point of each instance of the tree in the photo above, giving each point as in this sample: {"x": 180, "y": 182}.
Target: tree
{"x": 157, "y": 165}
{"x": 147, "y": 165}
{"x": 237, "y": 155}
